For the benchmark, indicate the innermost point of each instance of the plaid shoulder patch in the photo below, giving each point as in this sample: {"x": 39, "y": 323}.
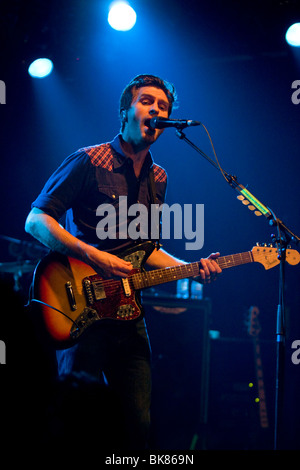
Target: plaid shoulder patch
{"x": 100, "y": 155}
{"x": 160, "y": 176}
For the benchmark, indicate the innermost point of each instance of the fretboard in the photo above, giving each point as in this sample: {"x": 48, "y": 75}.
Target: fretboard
{"x": 143, "y": 280}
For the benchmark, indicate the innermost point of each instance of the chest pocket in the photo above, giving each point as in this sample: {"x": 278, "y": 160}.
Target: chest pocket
{"x": 111, "y": 194}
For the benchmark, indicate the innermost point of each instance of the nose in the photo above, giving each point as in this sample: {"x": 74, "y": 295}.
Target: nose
{"x": 154, "y": 109}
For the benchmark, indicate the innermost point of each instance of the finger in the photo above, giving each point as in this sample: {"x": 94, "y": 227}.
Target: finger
{"x": 119, "y": 267}
{"x": 212, "y": 257}
{"x": 123, "y": 270}
{"x": 209, "y": 266}
{"x": 205, "y": 268}
{"x": 202, "y": 274}
{"x": 204, "y": 271}
{"x": 205, "y": 278}
{"x": 215, "y": 268}
{"x": 209, "y": 271}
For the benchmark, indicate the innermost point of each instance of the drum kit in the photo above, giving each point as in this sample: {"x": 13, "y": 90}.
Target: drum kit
{"x": 27, "y": 254}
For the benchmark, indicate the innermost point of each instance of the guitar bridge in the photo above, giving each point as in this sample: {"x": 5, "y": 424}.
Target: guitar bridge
{"x": 94, "y": 290}
{"x": 98, "y": 289}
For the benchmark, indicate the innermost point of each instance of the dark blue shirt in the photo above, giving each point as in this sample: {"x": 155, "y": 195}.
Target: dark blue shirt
{"x": 94, "y": 176}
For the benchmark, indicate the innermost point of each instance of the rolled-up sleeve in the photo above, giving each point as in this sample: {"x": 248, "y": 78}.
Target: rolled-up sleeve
{"x": 65, "y": 185}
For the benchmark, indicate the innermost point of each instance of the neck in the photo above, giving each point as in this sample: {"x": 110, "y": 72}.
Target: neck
{"x": 137, "y": 152}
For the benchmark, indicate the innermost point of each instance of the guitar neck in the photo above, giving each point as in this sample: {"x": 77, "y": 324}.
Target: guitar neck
{"x": 160, "y": 276}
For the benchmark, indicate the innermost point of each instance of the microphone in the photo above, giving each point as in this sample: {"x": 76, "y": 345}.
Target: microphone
{"x": 161, "y": 123}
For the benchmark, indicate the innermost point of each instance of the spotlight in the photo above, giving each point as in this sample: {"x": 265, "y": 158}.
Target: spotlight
{"x": 293, "y": 35}
{"x": 121, "y": 16}
{"x": 40, "y": 68}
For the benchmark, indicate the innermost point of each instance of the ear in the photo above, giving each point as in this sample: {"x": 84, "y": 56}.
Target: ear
{"x": 123, "y": 115}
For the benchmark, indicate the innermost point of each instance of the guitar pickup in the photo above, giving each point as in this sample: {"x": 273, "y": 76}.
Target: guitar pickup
{"x": 126, "y": 287}
{"x": 71, "y": 296}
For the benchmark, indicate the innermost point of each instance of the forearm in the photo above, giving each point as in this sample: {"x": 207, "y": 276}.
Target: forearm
{"x": 49, "y": 232}
{"x": 161, "y": 259}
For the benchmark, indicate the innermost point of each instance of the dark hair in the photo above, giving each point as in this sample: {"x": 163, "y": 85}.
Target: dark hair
{"x": 147, "y": 80}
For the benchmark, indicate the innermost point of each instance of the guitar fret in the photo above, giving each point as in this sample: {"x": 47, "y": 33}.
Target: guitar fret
{"x": 159, "y": 276}
{"x": 234, "y": 260}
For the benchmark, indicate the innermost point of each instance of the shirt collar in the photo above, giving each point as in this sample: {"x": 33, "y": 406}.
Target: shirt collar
{"x": 119, "y": 158}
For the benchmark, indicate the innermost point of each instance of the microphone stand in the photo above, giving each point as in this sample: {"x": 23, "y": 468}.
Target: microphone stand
{"x": 283, "y": 238}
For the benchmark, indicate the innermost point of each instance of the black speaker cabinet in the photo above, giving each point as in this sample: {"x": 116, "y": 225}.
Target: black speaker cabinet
{"x": 178, "y": 332}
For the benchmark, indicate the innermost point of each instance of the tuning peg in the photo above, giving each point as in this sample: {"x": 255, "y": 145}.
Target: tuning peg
{"x": 257, "y": 244}
{"x": 274, "y": 238}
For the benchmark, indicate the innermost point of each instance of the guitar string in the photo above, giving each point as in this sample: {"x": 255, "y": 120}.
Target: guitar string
{"x": 169, "y": 274}
{"x": 113, "y": 286}
{"x": 145, "y": 279}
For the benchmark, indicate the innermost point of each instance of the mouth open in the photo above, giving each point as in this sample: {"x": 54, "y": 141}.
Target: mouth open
{"x": 149, "y": 130}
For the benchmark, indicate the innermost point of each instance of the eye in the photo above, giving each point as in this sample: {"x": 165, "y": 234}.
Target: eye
{"x": 163, "y": 107}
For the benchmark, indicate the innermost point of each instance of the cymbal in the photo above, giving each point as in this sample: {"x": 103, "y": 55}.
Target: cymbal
{"x": 25, "y": 266}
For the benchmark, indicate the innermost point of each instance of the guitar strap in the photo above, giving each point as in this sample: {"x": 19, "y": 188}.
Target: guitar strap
{"x": 152, "y": 187}
{"x": 154, "y": 200}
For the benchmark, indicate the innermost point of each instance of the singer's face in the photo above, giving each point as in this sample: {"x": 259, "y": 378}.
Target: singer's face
{"x": 147, "y": 102}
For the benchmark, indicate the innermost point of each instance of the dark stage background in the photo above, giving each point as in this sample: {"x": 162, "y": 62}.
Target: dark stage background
{"x": 233, "y": 71}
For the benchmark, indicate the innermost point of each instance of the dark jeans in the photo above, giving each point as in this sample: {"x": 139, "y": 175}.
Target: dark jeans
{"x": 121, "y": 352}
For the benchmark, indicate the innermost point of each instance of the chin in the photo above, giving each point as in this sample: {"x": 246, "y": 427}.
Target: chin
{"x": 150, "y": 135}
{"x": 149, "y": 139}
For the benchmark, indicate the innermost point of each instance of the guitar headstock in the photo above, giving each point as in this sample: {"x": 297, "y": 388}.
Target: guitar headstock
{"x": 253, "y": 324}
{"x": 268, "y": 256}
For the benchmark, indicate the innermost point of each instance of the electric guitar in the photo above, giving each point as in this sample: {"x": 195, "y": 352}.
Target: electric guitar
{"x": 72, "y": 296}
{"x": 254, "y": 329}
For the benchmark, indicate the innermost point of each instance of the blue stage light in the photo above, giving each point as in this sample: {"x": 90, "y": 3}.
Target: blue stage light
{"x": 293, "y": 35}
{"x": 121, "y": 16}
{"x": 40, "y": 68}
